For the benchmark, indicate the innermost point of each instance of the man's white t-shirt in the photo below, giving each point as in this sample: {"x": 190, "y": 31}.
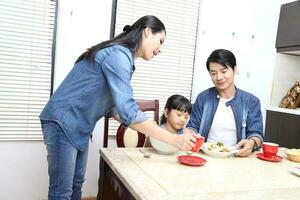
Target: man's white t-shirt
{"x": 223, "y": 128}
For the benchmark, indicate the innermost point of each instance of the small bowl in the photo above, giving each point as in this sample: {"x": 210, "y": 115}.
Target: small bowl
{"x": 293, "y": 154}
{"x": 161, "y": 147}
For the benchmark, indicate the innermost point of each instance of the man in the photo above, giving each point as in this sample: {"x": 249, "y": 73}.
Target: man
{"x": 225, "y": 113}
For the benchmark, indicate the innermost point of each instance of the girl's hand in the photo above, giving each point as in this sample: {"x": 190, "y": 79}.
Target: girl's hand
{"x": 246, "y": 147}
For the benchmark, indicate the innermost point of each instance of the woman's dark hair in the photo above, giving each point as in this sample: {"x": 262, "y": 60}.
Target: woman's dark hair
{"x": 131, "y": 36}
{"x": 223, "y": 57}
{"x": 177, "y": 102}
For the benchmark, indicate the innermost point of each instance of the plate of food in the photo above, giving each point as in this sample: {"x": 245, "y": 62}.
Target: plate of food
{"x": 218, "y": 149}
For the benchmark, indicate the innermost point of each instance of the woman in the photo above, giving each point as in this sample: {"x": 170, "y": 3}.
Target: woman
{"x": 98, "y": 85}
{"x": 225, "y": 113}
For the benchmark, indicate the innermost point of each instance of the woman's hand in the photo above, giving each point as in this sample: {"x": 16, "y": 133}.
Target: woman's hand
{"x": 185, "y": 141}
{"x": 246, "y": 147}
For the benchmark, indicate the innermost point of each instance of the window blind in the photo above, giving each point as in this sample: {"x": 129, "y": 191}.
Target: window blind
{"x": 26, "y": 34}
{"x": 171, "y": 72}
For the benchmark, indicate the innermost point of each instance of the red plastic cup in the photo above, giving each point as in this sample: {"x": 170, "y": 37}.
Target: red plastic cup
{"x": 198, "y": 144}
{"x": 270, "y": 149}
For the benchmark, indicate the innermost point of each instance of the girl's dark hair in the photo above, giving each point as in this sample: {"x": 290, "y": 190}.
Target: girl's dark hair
{"x": 177, "y": 102}
{"x": 131, "y": 36}
{"x": 223, "y": 57}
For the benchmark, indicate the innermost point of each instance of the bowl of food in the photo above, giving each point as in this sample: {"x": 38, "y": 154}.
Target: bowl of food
{"x": 293, "y": 154}
{"x": 218, "y": 149}
{"x": 162, "y": 147}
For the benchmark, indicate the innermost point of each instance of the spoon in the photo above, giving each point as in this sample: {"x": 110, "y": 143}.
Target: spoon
{"x": 146, "y": 155}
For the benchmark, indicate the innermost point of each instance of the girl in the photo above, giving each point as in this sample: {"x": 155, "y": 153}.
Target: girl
{"x": 176, "y": 114}
{"x": 98, "y": 85}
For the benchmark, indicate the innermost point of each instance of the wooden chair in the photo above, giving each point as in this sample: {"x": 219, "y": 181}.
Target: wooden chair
{"x": 144, "y": 106}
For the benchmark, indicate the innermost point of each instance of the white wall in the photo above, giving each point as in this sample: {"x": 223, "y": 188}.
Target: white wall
{"x": 248, "y": 28}
{"x": 23, "y": 171}
{"x": 287, "y": 72}
{"x": 82, "y": 24}
{"x": 23, "y": 165}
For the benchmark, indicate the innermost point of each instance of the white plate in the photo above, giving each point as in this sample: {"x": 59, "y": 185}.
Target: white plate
{"x": 296, "y": 171}
{"x": 232, "y": 151}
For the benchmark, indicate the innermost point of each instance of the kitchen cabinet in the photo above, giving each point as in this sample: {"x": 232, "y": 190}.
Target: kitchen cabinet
{"x": 283, "y": 128}
{"x": 283, "y": 125}
{"x": 288, "y": 32}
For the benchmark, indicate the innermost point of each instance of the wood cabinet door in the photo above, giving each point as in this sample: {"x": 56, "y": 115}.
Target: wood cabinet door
{"x": 283, "y": 128}
{"x": 288, "y": 33}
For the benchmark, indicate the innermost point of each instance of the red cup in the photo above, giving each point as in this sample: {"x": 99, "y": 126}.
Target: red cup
{"x": 270, "y": 149}
{"x": 198, "y": 144}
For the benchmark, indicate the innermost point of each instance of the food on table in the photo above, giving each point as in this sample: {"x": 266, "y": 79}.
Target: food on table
{"x": 295, "y": 151}
{"x": 293, "y": 154}
{"x": 217, "y": 147}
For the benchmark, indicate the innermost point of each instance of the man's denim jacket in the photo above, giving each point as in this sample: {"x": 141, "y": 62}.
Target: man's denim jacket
{"x": 92, "y": 90}
{"x": 245, "y": 107}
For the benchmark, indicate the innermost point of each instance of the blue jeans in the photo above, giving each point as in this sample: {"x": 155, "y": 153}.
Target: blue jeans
{"x": 66, "y": 164}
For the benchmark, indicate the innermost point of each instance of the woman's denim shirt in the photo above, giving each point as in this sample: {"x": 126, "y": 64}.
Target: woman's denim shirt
{"x": 92, "y": 90}
{"x": 245, "y": 107}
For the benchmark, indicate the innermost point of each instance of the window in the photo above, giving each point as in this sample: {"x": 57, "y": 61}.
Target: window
{"x": 26, "y": 37}
{"x": 171, "y": 72}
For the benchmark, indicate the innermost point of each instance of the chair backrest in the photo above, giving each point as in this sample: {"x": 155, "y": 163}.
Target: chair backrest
{"x": 144, "y": 106}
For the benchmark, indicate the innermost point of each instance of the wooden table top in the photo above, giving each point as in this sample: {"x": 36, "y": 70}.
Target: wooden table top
{"x": 163, "y": 177}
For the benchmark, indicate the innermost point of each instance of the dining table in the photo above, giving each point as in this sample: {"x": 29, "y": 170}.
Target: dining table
{"x": 125, "y": 173}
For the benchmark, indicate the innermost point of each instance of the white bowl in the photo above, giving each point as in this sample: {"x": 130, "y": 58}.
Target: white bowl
{"x": 161, "y": 147}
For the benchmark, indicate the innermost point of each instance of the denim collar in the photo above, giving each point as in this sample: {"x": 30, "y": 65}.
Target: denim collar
{"x": 233, "y": 100}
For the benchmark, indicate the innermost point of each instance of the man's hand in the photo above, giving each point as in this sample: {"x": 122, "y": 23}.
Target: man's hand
{"x": 246, "y": 147}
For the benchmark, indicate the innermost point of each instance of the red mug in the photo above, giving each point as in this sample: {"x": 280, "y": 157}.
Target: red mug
{"x": 198, "y": 144}
{"x": 270, "y": 149}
